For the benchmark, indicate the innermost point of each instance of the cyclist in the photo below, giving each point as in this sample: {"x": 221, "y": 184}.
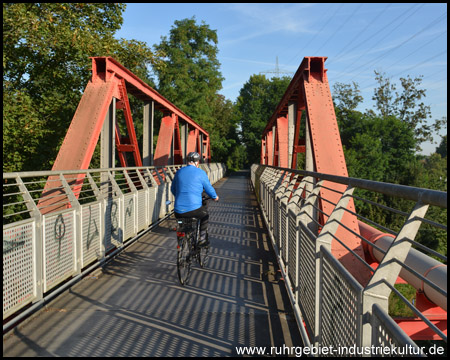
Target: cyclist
{"x": 187, "y": 187}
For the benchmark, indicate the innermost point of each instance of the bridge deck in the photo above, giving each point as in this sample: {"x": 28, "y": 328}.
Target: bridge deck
{"x": 135, "y": 306}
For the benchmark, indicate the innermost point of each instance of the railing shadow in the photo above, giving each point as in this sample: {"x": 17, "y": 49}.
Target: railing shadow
{"x": 138, "y": 308}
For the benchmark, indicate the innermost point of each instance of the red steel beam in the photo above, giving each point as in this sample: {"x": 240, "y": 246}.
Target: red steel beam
{"x": 110, "y": 79}
{"x": 193, "y": 143}
{"x": 309, "y": 88}
{"x": 163, "y": 147}
{"x": 106, "y": 67}
{"x": 132, "y": 146}
{"x": 269, "y": 148}
{"x": 282, "y": 140}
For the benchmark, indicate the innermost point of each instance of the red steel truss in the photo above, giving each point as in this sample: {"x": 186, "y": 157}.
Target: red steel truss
{"x": 309, "y": 91}
{"x": 112, "y": 80}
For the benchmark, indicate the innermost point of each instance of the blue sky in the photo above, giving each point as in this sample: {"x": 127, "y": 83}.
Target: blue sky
{"x": 398, "y": 39}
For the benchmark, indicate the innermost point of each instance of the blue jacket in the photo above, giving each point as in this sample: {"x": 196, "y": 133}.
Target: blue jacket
{"x": 188, "y": 186}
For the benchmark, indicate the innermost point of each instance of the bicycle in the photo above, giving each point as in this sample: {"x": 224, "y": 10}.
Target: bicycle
{"x": 188, "y": 235}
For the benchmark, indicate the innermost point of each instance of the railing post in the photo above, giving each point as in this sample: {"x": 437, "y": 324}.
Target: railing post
{"x": 279, "y": 196}
{"x": 77, "y": 207}
{"x": 324, "y": 240}
{"x": 134, "y": 192}
{"x": 307, "y": 233}
{"x": 293, "y": 210}
{"x": 38, "y": 239}
{"x": 120, "y": 196}
{"x": 152, "y": 197}
{"x": 376, "y": 291}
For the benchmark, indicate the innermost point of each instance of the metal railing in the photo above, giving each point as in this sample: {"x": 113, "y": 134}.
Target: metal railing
{"x": 90, "y": 220}
{"x": 332, "y": 307}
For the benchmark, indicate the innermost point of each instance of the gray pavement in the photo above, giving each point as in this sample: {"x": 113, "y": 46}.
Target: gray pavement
{"x": 135, "y": 305}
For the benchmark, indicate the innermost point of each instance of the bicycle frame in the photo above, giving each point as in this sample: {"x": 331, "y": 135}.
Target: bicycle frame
{"x": 188, "y": 236}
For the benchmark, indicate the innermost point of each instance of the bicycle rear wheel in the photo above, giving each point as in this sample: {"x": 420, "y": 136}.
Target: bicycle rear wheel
{"x": 183, "y": 260}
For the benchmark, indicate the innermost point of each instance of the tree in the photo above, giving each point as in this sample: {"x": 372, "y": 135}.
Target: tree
{"x": 346, "y": 96}
{"x": 222, "y": 131}
{"x": 46, "y": 66}
{"x": 406, "y": 105}
{"x": 379, "y": 148}
{"x": 383, "y": 95}
{"x": 255, "y": 105}
{"x": 191, "y": 78}
{"x": 346, "y": 99}
{"x": 442, "y": 148}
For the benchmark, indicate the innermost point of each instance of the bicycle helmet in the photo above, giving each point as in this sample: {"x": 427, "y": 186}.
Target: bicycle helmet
{"x": 193, "y": 156}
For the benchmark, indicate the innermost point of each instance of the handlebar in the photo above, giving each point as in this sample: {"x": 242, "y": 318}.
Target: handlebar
{"x": 207, "y": 198}
{"x": 204, "y": 200}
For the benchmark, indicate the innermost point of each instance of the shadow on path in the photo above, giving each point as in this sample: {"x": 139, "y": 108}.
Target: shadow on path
{"x": 136, "y": 307}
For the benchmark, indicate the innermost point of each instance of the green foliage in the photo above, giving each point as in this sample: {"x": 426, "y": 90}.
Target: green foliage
{"x": 222, "y": 131}
{"x": 346, "y": 97}
{"x": 396, "y": 305}
{"x": 442, "y": 148}
{"x": 431, "y": 173}
{"x": 46, "y": 66}
{"x": 406, "y": 105}
{"x": 191, "y": 77}
{"x": 376, "y": 148}
{"x": 382, "y": 148}
{"x": 383, "y": 95}
{"x": 191, "y": 80}
{"x": 22, "y": 132}
{"x": 255, "y": 105}
{"x": 237, "y": 158}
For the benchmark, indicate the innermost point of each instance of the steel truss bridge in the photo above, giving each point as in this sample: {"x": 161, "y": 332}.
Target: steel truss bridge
{"x": 338, "y": 269}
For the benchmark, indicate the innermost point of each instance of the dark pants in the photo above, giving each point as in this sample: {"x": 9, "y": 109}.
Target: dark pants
{"x": 200, "y": 213}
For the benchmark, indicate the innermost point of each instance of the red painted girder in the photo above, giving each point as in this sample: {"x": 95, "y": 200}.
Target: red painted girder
{"x": 293, "y": 90}
{"x": 193, "y": 143}
{"x": 162, "y": 151}
{"x": 329, "y": 159}
{"x": 297, "y": 148}
{"x": 417, "y": 329}
{"x": 169, "y": 132}
{"x": 310, "y": 88}
{"x": 109, "y": 67}
{"x": 263, "y": 153}
{"x": 177, "y": 151}
{"x": 130, "y": 126}
{"x": 206, "y": 150}
{"x": 282, "y": 139}
{"x": 276, "y": 145}
{"x": 269, "y": 148}
{"x": 86, "y": 124}
{"x": 120, "y": 153}
{"x": 75, "y": 154}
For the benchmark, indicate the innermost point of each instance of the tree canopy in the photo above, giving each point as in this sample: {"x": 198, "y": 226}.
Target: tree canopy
{"x": 406, "y": 105}
{"x": 255, "y": 105}
{"x": 46, "y": 50}
{"x": 191, "y": 78}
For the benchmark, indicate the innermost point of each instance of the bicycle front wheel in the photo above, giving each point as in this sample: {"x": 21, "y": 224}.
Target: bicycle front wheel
{"x": 183, "y": 260}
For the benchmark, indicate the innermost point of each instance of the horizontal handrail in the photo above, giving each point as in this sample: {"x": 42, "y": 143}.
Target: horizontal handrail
{"x": 291, "y": 202}
{"x": 428, "y": 196}
{"x": 92, "y": 219}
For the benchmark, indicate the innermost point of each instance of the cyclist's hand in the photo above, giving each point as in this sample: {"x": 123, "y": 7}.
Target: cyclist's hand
{"x": 217, "y": 198}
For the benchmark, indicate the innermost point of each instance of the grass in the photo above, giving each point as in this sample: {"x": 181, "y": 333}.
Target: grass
{"x": 397, "y": 307}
